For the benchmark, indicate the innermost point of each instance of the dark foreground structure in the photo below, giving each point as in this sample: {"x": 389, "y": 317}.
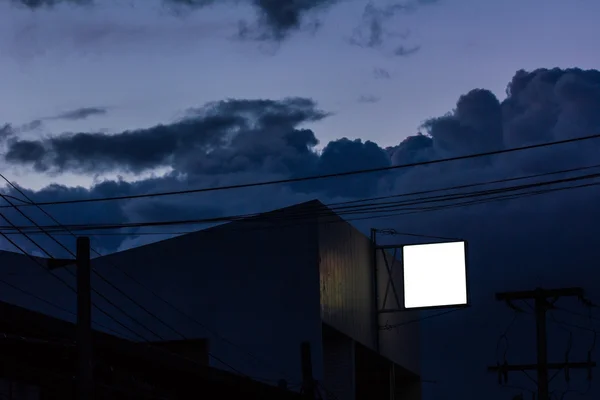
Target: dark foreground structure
{"x": 39, "y": 361}
{"x": 251, "y": 291}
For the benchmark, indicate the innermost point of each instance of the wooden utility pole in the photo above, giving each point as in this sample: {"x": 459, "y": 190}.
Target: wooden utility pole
{"x": 85, "y": 377}
{"x": 542, "y": 305}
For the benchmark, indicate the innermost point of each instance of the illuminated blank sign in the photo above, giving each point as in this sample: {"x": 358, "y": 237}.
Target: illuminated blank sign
{"x": 434, "y": 275}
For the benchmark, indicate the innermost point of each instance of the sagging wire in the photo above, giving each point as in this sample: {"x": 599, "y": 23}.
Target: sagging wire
{"x": 391, "y": 231}
{"x": 388, "y": 327}
{"x": 590, "y": 306}
{"x": 504, "y": 338}
{"x": 567, "y": 352}
{"x": 502, "y": 372}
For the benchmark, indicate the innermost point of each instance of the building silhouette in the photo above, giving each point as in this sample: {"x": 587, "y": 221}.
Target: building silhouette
{"x": 249, "y": 292}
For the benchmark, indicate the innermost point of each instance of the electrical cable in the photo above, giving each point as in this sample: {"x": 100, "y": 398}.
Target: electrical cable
{"x": 419, "y": 201}
{"x": 166, "y": 302}
{"x": 590, "y": 351}
{"x": 70, "y": 272}
{"x": 569, "y": 347}
{"x": 577, "y": 314}
{"x": 37, "y": 262}
{"x": 27, "y": 293}
{"x": 109, "y": 301}
{"x": 374, "y": 207}
{"x": 504, "y": 338}
{"x": 390, "y": 231}
{"x": 387, "y": 327}
{"x": 470, "y": 185}
{"x": 565, "y": 188}
{"x": 356, "y": 210}
{"x": 322, "y": 176}
{"x": 503, "y": 377}
{"x": 74, "y": 256}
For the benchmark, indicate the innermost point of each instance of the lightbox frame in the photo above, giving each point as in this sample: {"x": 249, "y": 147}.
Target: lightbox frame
{"x": 447, "y": 306}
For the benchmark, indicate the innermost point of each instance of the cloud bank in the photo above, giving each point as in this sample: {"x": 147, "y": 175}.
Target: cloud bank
{"x": 539, "y": 240}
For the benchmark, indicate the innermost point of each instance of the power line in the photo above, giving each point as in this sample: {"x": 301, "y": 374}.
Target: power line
{"x": 314, "y": 177}
{"x": 591, "y": 318}
{"x": 95, "y": 306}
{"x": 166, "y": 302}
{"x": 279, "y": 215}
{"x": 104, "y": 279}
{"x": 408, "y": 194}
{"x": 417, "y": 201}
{"x": 388, "y": 327}
{"x": 37, "y": 262}
{"x": 234, "y": 218}
{"x": 73, "y": 255}
{"x": 470, "y": 185}
{"x": 27, "y": 293}
{"x": 332, "y": 221}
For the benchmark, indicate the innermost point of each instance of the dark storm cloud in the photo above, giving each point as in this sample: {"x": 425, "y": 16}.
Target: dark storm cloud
{"x": 475, "y": 125}
{"x": 363, "y": 155}
{"x": 80, "y": 113}
{"x": 34, "y": 4}
{"x": 519, "y": 244}
{"x": 373, "y": 31}
{"x": 279, "y": 18}
{"x": 31, "y": 125}
{"x": 276, "y": 19}
{"x": 403, "y": 51}
{"x": 232, "y": 135}
{"x": 6, "y": 131}
{"x": 381, "y": 73}
{"x": 369, "y": 99}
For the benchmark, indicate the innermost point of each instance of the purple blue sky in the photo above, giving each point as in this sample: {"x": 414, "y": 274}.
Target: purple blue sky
{"x": 113, "y": 71}
{"x": 147, "y": 66}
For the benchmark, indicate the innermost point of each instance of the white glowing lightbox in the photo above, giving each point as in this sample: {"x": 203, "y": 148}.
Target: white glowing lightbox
{"x": 435, "y": 275}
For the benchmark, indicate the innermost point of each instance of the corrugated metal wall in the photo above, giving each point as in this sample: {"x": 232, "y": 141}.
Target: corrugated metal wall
{"x": 348, "y": 295}
{"x": 400, "y": 344}
{"x": 257, "y": 288}
{"x": 347, "y": 298}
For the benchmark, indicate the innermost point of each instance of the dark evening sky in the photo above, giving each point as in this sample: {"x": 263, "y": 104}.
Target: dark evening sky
{"x": 125, "y": 97}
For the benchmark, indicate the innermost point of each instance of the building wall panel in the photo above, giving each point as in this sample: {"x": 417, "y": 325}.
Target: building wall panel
{"x": 347, "y": 292}
{"x": 348, "y": 296}
{"x": 399, "y": 340}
